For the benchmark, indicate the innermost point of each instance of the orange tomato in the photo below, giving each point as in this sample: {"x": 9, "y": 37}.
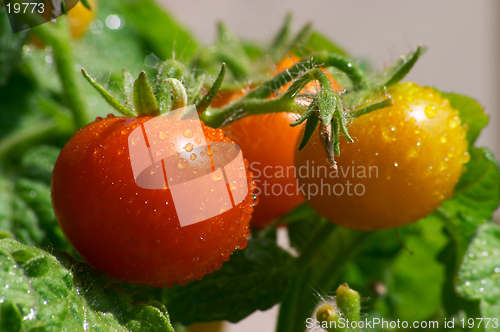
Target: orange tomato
{"x": 269, "y": 143}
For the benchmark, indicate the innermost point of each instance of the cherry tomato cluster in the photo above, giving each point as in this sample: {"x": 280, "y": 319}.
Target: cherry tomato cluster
{"x": 368, "y": 156}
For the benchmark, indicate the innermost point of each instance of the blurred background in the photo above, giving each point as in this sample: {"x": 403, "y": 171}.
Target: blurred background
{"x": 463, "y": 39}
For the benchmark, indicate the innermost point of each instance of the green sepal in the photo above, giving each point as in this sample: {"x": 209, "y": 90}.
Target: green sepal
{"x": 86, "y": 4}
{"x": 300, "y": 39}
{"x": 209, "y": 97}
{"x": 318, "y": 42}
{"x": 387, "y": 102}
{"x": 302, "y": 118}
{"x": 144, "y": 99}
{"x": 179, "y": 93}
{"x": 311, "y": 124}
{"x": 230, "y": 51}
{"x": 107, "y": 96}
{"x": 64, "y": 8}
{"x": 280, "y": 41}
{"x": 399, "y": 70}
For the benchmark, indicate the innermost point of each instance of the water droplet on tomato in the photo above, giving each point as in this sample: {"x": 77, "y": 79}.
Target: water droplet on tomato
{"x": 255, "y": 200}
{"x": 242, "y": 243}
{"x": 182, "y": 163}
{"x": 188, "y": 133}
{"x": 430, "y": 111}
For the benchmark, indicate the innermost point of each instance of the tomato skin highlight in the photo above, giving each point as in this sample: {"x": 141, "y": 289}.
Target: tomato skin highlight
{"x": 132, "y": 233}
{"x": 406, "y": 159}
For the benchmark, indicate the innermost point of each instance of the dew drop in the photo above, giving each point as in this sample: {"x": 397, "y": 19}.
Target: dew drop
{"x": 242, "y": 243}
{"x": 193, "y": 156}
{"x": 255, "y": 200}
{"x": 182, "y": 163}
{"x": 188, "y": 133}
{"x": 189, "y": 147}
{"x": 430, "y": 111}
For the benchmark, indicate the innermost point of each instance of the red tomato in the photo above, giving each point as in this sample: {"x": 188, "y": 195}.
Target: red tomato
{"x": 132, "y": 233}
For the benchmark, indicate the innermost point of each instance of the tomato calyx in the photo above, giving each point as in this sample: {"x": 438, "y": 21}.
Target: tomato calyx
{"x": 169, "y": 94}
{"x": 326, "y": 108}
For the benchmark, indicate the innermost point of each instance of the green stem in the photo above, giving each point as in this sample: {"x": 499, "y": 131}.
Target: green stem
{"x": 340, "y": 245}
{"x": 315, "y": 244}
{"x": 321, "y": 59}
{"x": 220, "y": 117}
{"x": 58, "y": 38}
{"x": 18, "y": 140}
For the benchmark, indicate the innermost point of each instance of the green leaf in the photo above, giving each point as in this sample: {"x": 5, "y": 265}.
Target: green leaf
{"x": 479, "y": 275}
{"x": 476, "y": 196}
{"x": 415, "y": 279}
{"x": 254, "y": 279}
{"x": 166, "y": 37}
{"x": 303, "y": 221}
{"x": 37, "y": 196}
{"x": 54, "y": 293}
{"x": 471, "y": 113}
{"x": 38, "y": 163}
{"x": 16, "y": 217}
{"x": 18, "y": 104}
{"x": 318, "y": 42}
